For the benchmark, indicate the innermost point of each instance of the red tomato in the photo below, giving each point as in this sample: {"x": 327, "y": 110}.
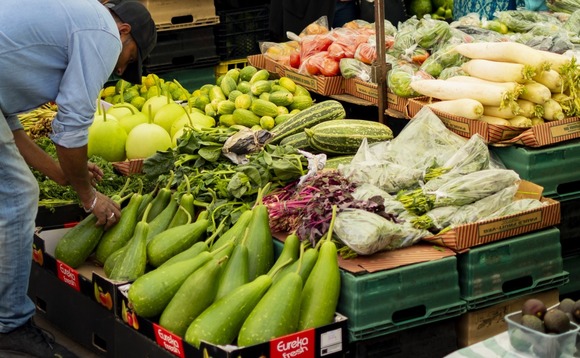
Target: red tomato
{"x": 311, "y": 68}
{"x": 295, "y": 60}
{"x": 329, "y": 67}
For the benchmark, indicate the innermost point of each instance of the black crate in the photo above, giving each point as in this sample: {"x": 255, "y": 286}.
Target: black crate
{"x": 240, "y": 32}
{"x": 569, "y": 228}
{"x": 436, "y": 339}
{"x": 186, "y": 48}
{"x": 80, "y": 318}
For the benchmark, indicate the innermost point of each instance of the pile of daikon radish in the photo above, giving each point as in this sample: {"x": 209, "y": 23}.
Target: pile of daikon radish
{"x": 508, "y": 83}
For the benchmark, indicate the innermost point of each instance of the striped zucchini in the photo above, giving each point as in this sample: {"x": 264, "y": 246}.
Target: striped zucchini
{"x": 311, "y": 116}
{"x": 345, "y": 136}
{"x": 298, "y": 141}
{"x": 334, "y": 162}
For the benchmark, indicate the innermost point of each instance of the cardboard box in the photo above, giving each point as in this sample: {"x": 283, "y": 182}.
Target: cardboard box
{"x": 78, "y": 316}
{"x": 537, "y": 136}
{"x": 465, "y": 127}
{"x": 88, "y": 279}
{"x": 479, "y": 325}
{"x": 369, "y": 92}
{"x": 263, "y": 62}
{"x": 180, "y": 14}
{"x": 473, "y": 234}
{"x": 327, "y": 341}
{"x": 318, "y": 84}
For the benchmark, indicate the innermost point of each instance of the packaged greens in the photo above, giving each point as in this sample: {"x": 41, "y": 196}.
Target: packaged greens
{"x": 400, "y": 77}
{"x": 516, "y": 207}
{"x": 483, "y": 208}
{"x": 353, "y": 68}
{"x": 462, "y": 190}
{"x": 366, "y": 191}
{"x": 451, "y": 72}
{"x": 367, "y": 233}
{"x": 442, "y": 58}
{"x": 524, "y": 20}
{"x": 431, "y": 33}
{"x": 435, "y": 219}
{"x": 566, "y": 6}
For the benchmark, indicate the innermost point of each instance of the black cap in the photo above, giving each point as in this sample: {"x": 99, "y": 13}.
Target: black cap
{"x": 143, "y": 31}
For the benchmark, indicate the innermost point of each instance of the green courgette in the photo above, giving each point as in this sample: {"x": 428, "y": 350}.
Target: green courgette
{"x": 259, "y": 242}
{"x": 196, "y": 293}
{"x": 77, "y": 244}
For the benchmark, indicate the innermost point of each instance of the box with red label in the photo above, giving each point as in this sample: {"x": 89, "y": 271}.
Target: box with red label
{"x": 88, "y": 279}
{"x": 327, "y": 341}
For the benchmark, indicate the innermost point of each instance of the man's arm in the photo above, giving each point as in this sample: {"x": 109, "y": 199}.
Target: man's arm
{"x": 38, "y": 158}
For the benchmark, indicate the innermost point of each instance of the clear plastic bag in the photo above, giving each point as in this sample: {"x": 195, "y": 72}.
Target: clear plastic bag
{"x": 367, "y": 233}
{"x": 353, "y": 68}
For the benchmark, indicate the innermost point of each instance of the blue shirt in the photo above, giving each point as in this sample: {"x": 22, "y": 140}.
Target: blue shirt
{"x": 56, "y": 50}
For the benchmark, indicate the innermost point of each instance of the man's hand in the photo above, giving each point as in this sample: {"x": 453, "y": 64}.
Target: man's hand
{"x": 95, "y": 173}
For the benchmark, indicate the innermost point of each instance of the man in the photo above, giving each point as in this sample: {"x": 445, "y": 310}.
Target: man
{"x": 62, "y": 51}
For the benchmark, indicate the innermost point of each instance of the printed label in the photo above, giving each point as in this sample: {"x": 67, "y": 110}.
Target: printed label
{"x": 331, "y": 342}
{"x": 303, "y": 80}
{"x": 367, "y": 90}
{"x": 456, "y": 126}
{"x": 168, "y": 340}
{"x": 68, "y": 275}
{"x": 509, "y": 224}
{"x": 299, "y": 344}
{"x": 565, "y": 129}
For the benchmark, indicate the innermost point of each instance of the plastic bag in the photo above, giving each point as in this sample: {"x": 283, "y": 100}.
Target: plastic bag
{"x": 345, "y": 42}
{"x": 279, "y": 52}
{"x": 431, "y": 33}
{"x": 313, "y": 44}
{"x": 524, "y": 20}
{"x": 366, "y": 53}
{"x": 516, "y": 207}
{"x": 366, "y": 191}
{"x": 367, "y": 233}
{"x": 352, "y": 68}
{"x": 443, "y": 58}
{"x": 400, "y": 77}
{"x": 483, "y": 208}
{"x": 435, "y": 219}
{"x": 320, "y": 64}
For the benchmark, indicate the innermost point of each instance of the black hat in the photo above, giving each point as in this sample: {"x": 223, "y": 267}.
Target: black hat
{"x": 143, "y": 31}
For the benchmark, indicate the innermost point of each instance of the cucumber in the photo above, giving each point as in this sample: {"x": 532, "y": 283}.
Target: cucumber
{"x": 304, "y": 265}
{"x": 195, "y": 294}
{"x": 290, "y": 251}
{"x": 345, "y": 136}
{"x": 160, "y": 200}
{"x": 220, "y": 323}
{"x": 309, "y": 117}
{"x": 190, "y": 253}
{"x": 235, "y": 272}
{"x": 77, "y": 244}
{"x": 259, "y": 242}
{"x": 321, "y": 289}
{"x": 112, "y": 260}
{"x": 236, "y": 232}
{"x": 281, "y": 97}
{"x": 162, "y": 221}
{"x": 186, "y": 210}
{"x": 120, "y": 234}
{"x": 247, "y": 72}
{"x": 150, "y": 293}
{"x": 275, "y": 314}
{"x": 132, "y": 262}
{"x": 171, "y": 242}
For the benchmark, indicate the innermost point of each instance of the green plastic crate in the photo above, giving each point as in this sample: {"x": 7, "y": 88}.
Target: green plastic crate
{"x": 392, "y": 300}
{"x": 556, "y": 168}
{"x": 572, "y": 265}
{"x": 511, "y": 268}
{"x": 569, "y": 228}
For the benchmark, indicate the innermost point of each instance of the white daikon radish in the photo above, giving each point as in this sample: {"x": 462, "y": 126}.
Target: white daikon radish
{"x": 537, "y": 120}
{"x": 553, "y": 111}
{"x": 536, "y": 92}
{"x": 486, "y": 94}
{"x": 495, "y": 111}
{"x": 520, "y": 121}
{"x": 498, "y": 71}
{"x": 513, "y": 52}
{"x": 529, "y": 109}
{"x": 495, "y": 120}
{"x": 566, "y": 102}
{"x": 550, "y": 79}
{"x": 511, "y": 86}
{"x": 463, "y": 107}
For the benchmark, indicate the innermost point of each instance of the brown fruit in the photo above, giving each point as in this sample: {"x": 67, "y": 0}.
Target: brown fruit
{"x": 567, "y": 305}
{"x": 535, "y": 307}
{"x": 556, "y": 321}
{"x": 533, "y": 322}
{"x": 576, "y": 311}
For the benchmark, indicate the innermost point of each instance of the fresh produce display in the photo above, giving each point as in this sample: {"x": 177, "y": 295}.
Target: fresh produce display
{"x": 542, "y": 330}
{"x": 438, "y": 9}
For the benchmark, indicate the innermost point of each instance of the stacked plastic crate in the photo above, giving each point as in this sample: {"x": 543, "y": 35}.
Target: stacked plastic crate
{"x": 242, "y": 28}
{"x": 557, "y": 169}
{"x": 186, "y": 44}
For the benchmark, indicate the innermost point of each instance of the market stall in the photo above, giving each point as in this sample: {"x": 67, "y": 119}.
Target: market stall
{"x": 262, "y": 217}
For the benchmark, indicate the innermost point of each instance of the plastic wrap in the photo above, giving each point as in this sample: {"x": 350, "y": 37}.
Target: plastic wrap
{"x": 483, "y": 208}
{"x": 352, "y": 68}
{"x": 367, "y": 233}
{"x": 516, "y": 207}
{"x": 367, "y": 191}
